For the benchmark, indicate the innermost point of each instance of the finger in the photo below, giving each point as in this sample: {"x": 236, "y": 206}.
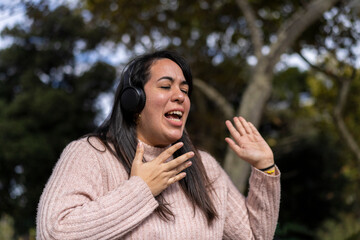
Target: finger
{"x": 233, "y": 132}
{"x": 182, "y": 167}
{"x": 245, "y": 125}
{"x": 236, "y": 148}
{"x": 232, "y": 143}
{"x": 169, "y": 152}
{"x": 176, "y": 178}
{"x": 239, "y": 126}
{"x": 254, "y": 129}
{"x": 178, "y": 161}
{"x": 139, "y": 153}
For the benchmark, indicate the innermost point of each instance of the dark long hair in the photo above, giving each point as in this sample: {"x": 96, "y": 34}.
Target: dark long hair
{"x": 119, "y": 130}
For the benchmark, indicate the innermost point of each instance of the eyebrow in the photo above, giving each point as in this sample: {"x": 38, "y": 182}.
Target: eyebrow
{"x": 172, "y": 80}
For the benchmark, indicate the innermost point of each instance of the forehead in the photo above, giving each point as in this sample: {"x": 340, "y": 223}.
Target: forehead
{"x": 166, "y": 66}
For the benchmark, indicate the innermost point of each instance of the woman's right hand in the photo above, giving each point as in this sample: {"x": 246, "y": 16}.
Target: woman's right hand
{"x": 159, "y": 174}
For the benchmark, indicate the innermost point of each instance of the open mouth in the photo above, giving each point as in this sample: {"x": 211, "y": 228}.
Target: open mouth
{"x": 174, "y": 115}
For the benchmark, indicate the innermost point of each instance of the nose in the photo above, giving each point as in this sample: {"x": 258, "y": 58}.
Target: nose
{"x": 178, "y": 95}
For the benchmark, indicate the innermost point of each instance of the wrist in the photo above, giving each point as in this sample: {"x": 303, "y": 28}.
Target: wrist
{"x": 264, "y": 165}
{"x": 271, "y": 169}
{"x": 268, "y": 168}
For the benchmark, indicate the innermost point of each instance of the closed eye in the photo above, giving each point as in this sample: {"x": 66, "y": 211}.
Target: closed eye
{"x": 185, "y": 91}
{"x": 165, "y": 87}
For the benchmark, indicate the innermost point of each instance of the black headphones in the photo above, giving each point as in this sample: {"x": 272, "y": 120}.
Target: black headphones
{"x": 132, "y": 99}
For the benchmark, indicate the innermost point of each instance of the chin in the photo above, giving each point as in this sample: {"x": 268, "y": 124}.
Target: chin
{"x": 173, "y": 138}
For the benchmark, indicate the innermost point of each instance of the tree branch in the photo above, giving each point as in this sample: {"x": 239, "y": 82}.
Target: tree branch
{"x": 255, "y": 31}
{"x": 216, "y": 97}
{"x": 319, "y": 69}
{"x": 344, "y": 84}
{"x": 339, "y": 121}
{"x": 337, "y": 114}
{"x": 296, "y": 25}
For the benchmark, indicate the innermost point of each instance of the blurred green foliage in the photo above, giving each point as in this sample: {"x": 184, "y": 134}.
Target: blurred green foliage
{"x": 47, "y": 99}
{"x": 345, "y": 226}
{"x": 6, "y": 227}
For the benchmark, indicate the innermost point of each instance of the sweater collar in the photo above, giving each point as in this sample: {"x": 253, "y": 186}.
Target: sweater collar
{"x": 151, "y": 152}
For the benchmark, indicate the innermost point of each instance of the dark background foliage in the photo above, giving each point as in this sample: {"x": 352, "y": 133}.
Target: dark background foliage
{"x": 50, "y": 88}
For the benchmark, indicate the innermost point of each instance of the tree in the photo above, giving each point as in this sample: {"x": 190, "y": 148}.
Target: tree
{"x": 311, "y": 160}
{"x": 259, "y": 88}
{"x": 342, "y": 81}
{"x": 46, "y": 100}
{"x": 220, "y": 38}
{"x": 217, "y": 34}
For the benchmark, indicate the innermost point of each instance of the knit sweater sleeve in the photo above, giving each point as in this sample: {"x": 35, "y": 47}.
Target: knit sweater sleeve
{"x": 254, "y": 216}
{"x": 75, "y": 205}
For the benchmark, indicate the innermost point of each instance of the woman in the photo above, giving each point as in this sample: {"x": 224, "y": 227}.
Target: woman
{"x": 139, "y": 176}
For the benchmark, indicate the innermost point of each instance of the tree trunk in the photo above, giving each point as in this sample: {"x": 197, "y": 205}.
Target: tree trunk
{"x": 251, "y": 108}
{"x": 260, "y": 85}
{"x": 215, "y": 97}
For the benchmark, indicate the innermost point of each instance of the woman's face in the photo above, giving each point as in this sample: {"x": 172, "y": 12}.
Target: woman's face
{"x": 167, "y": 106}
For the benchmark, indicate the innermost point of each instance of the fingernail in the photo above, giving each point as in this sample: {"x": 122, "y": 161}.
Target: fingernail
{"x": 189, "y": 163}
{"x": 191, "y": 154}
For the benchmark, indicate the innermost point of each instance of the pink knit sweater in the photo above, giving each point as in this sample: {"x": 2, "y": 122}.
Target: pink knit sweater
{"x": 90, "y": 196}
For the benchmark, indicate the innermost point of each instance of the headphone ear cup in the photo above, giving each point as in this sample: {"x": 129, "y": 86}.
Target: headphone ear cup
{"x": 133, "y": 99}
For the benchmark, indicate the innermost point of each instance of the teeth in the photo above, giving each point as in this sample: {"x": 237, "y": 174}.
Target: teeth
{"x": 176, "y": 112}
{"x": 175, "y": 119}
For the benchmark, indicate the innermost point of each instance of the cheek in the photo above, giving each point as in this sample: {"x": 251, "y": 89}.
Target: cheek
{"x": 157, "y": 100}
{"x": 154, "y": 105}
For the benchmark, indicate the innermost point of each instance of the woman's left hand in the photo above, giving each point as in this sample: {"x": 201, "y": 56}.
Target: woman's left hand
{"x": 248, "y": 144}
